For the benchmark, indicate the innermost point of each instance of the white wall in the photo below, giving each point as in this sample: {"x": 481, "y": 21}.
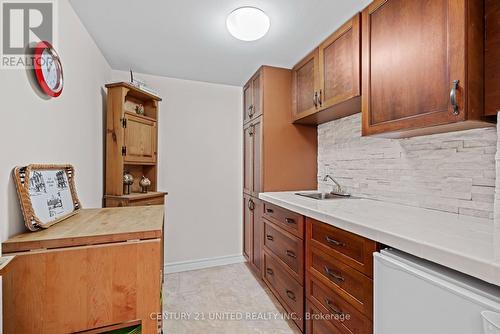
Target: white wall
{"x": 68, "y": 129}
{"x": 452, "y": 172}
{"x": 200, "y": 165}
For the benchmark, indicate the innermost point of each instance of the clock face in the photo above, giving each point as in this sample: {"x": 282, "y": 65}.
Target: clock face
{"x": 48, "y": 69}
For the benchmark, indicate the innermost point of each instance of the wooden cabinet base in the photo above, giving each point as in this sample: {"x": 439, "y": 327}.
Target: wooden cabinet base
{"x": 285, "y": 288}
{"x": 81, "y": 288}
{"x": 316, "y": 324}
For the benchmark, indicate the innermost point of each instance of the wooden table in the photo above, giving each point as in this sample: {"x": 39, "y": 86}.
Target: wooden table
{"x": 99, "y": 269}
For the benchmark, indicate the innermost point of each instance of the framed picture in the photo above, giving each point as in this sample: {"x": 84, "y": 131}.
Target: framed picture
{"x": 47, "y": 194}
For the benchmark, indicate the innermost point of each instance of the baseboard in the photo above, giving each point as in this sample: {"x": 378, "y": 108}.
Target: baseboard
{"x": 177, "y": 267}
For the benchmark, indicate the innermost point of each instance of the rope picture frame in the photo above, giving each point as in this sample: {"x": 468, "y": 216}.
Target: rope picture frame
{"x": 47, "y": 194}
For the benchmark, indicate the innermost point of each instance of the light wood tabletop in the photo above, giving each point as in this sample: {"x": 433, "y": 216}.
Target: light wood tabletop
{"x": 93, "y": 226}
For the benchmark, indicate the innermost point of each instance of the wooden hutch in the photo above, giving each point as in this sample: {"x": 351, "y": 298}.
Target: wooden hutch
{"x": 131, "y": 145}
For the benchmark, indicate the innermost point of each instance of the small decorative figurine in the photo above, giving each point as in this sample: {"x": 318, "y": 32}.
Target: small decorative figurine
{"x": 139, "y": 109}
{"x": 145, "y": 183}
{"x": 128, "y": 179}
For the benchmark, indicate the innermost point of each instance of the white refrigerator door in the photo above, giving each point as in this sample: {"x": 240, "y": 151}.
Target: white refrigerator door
{"x": 411, "y": 299}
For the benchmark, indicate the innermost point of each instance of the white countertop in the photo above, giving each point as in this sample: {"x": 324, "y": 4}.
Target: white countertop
{"x": 466, "y": 244}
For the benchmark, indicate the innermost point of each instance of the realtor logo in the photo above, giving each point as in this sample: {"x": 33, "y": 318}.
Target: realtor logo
{"x": 24, "y": 24}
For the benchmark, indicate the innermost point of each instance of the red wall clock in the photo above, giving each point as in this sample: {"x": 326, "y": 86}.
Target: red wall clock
{"x": 48, "y": 69}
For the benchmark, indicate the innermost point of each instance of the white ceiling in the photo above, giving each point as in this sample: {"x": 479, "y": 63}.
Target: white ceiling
{"x": 188, "y": 39}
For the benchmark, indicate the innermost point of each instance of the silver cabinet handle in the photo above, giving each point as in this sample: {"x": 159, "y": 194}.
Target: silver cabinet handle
{"x": 333, "y": 308}
{"x": 331, "y": 274}
{"x": 250, "y": 111}
{"x": 251, "y": 205}
{"x": 290, "y": 294}
{"x": 320, "y": 98}
{"x": 453, "y": 97}
{"x": 334, "y": 242}
{"x": 291, "y": 254}
{"x": 315, "y": 99}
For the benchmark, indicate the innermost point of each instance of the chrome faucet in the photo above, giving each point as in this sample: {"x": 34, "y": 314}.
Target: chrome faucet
{"x": 339, "y": 187}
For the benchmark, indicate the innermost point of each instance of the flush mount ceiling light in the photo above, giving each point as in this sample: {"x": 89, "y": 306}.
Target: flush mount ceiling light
{"x": 248, "y": 23}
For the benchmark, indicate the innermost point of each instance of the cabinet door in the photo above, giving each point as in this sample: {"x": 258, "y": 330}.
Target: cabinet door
{"x": 492, "y": 55}
{"x": 248, "y": 159}
{"x": 257, "y": 156}
{"x": 247, "y": 101}
{"x": 257, "y": 234}
{"x": 140, "y": 139}
{"x": 256, "y": 109}
{"x": 248, "y": 207}
{"x": 412, "y": 53}
{"x": 339, "y": 64}
{"x": 305, "y": 86}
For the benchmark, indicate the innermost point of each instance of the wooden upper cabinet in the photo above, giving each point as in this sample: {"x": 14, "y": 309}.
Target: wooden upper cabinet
{"x": 327, "y": 82}
{"x": 422, "y": 66}
{"x": 257, "y": 156}
{"x": 492, "y": 56}
{"x": 247, "y": 102}
{"x": 252, "y": 157}
{"x": 278, "y": 155}
{"x": 139, "y": 139}
{"x": 339, "y": 63}
{"x": 247, "y": 159}
{"x": 252, "y": 101}
{"x": 257, "y": 96}
{"x": 305, "y": 82}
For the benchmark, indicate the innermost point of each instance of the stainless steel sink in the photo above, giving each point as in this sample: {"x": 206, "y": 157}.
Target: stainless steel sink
{"x": 322, "y": 196}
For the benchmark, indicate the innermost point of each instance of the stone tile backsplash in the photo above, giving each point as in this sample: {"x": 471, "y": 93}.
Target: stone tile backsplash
{"x": 453, "y": 172}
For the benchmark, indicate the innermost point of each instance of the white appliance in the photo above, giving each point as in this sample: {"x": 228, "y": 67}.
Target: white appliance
{"x": 414, "y": 296}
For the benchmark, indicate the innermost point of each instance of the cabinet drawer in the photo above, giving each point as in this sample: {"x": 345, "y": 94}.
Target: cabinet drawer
{"x": 349, "y": 283}
{"x": 148, "y": 201}
{"x": 288, "y": 291}
{"x": 350, "y": 248}
{"x": 288, "y": 220}
{"x": 287, "y": 247}
{"x": 342, "y": 314}
{"x": 317, "y": 324}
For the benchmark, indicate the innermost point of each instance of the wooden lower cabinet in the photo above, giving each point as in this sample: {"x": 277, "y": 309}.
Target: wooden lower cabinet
{"x": 339, "y": 271}
{"x": 287, "y": 220}
{"x": 288, "y": 249}
{"x": 287, "y": 290}
{"x": 317, "y": 323}
{"x": 283, "y": 258}
{"x": 352, "y": 285}
{"x": 354, "y": 250}
{"x": 252, "y": 232}
{"x": 321, "y": 274}
{"x": 339, "y": 312}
